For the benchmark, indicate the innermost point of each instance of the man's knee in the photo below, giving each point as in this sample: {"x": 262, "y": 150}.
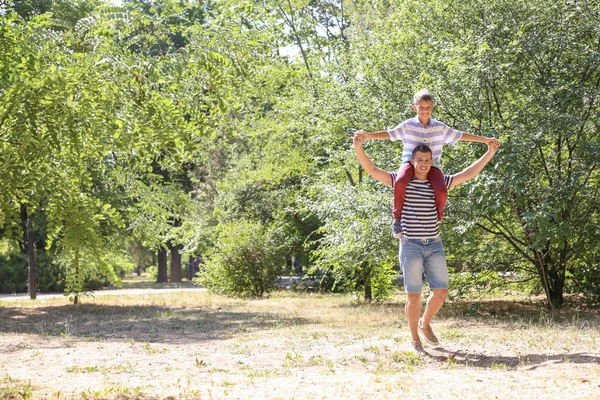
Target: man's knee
{"x": 413, "y": 297}
{"x": 439, "y": 293}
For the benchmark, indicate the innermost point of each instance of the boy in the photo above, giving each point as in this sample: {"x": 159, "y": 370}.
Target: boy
{"x": 415, "y": 131}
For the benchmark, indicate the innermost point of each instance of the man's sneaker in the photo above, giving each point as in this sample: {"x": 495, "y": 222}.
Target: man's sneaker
{"x": 418, "y": 346}
{"x": 428, "y": 333}
{"x": 397, "y": 229}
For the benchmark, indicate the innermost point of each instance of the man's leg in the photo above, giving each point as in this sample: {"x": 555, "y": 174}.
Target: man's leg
{"x": 413, "y": 312}
{"x": 411, "y": 260}
{"x": 434, "y": 303}
{"x": 436, "y": 271}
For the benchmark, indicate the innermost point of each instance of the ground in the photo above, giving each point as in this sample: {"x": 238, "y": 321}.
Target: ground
{"x": 187, "y": 343}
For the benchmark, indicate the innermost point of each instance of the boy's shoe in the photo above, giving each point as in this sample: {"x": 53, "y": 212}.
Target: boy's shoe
{"x": 417, "y": 346}
{"x": 397, "y": 229}
{"x": 428, "y": 333}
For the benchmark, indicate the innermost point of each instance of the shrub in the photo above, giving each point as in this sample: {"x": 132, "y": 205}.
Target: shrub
{"x": 246, "y": 260}
{"x": 14, "y": 269}
{"x": 152, "y": 272}
{"x": 13, "y": 273}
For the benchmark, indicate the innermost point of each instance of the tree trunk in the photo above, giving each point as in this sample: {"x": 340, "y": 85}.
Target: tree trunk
{"x": 368, "y": 288}
{"x": 175, "y": 262}
{"x": 552, "y": 280}
{"x": 162, "y": 265}
{"x": 29, "y": 242}
{"x": 557, "y": 283}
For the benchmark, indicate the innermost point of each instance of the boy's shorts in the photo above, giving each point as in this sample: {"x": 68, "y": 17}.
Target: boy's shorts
{"x": 423, "y": 255}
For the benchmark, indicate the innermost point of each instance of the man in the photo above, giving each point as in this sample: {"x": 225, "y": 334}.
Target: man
{"x": 421, "y": 248}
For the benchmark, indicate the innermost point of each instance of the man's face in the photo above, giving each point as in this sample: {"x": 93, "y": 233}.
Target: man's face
{"x": 424, "y": 109}
{"x": 422, "y": 162}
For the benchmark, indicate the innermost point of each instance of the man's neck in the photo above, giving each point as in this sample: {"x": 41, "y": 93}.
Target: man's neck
{"x": 424, "y": 123}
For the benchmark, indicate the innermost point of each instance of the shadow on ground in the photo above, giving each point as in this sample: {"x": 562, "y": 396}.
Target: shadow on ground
{"x": 143, "y": 323}
{"x": 527, "y": 361}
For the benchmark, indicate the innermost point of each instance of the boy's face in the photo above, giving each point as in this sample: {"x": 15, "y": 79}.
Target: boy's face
{"x": 422, "y": 162}
{"x": 424, "y": 109}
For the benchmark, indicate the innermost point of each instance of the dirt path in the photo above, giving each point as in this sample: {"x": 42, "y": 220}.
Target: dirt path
{"x": 185, "y": 343}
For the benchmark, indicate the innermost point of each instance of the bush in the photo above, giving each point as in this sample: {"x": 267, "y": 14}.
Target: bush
{"x": 13, "y": 273}
{"x": 152, "y": 272}
{"x": 14, "y": 269}
{"x": 246, "y": 261}
{"x": 50, "y": 275}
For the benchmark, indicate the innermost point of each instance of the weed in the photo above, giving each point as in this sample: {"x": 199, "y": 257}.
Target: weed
{"x": 241, "y": 349}
{"x": 117, "y": 392}
{"x": 362, "y": 358}
{"x": 78, "y": 369}
{"x": 316, "y": 360}
{"x": 384, "y": 368}
{"x": 42, "y": 328}
{"x": 499, "y": 366}
{"x": 12, "y": 388}
{"x": 69, "y": 330}
{"x": 330, "y": 366}
{"x": 128, "y": 368}
{"x": 294, "y": 360}
{"x": 373, "y": 349}
{"x": 148, "y": 349}
{"x": 408, "y": 358}
{"x": 201, "y": 363}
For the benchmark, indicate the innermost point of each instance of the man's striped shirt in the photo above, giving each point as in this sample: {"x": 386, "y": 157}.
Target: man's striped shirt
{"x": 435, "y": 135}
{"x": 419, "y": 214}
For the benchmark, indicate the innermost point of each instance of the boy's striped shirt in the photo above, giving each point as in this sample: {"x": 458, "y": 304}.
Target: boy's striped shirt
{"x": 435, "y": 135}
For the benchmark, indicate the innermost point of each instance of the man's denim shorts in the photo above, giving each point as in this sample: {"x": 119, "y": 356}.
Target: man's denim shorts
{"x": 418, "y": 256}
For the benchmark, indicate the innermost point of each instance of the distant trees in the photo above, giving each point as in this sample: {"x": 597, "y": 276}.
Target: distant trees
{"x": 169, "y": 123}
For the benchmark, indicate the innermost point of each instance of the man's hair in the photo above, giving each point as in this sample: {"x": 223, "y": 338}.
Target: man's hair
{"x": 422, "y": 148}
{"x": 421, "y": 95}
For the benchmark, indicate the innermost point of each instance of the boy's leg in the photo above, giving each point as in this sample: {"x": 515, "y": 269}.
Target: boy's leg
{"x": 405, "y": 174}
{"x": 438, "y": 184}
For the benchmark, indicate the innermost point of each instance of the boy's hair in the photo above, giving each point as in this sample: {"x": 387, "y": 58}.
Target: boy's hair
{"x": 421, "y": 95}
{"x": 422, "y": 148}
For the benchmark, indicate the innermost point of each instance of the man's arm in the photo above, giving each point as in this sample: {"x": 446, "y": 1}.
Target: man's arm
{"x": 381, "y": 135}
{"x": 468, "y": 137}
{"x": 370, "y": 168}
{"x": 475, "y": 168}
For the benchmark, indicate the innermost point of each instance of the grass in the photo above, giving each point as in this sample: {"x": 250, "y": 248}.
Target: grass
{"x": 197, "y": 345}
{"x": 14, "y": 389}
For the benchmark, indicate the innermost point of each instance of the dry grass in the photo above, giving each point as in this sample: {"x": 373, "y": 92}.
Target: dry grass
{"x": 291, "y": 346}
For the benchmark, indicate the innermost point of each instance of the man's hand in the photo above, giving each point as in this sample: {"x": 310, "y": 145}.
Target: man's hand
{"x": 475, "y": 168}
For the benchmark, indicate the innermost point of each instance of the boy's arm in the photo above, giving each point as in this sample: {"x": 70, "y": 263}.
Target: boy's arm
{"x": 381, "y": 135}
{"x": 370, "y": 168}
{"x": 467, "y": 137}
{"x": 475, "y": 168}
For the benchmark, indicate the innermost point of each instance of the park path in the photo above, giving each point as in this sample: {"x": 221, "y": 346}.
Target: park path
{"x": 107, "y": 292}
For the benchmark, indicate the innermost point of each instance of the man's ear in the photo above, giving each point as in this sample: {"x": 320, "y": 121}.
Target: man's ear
{"x": 414, "y": 107}
{"x": 412, "y": 161}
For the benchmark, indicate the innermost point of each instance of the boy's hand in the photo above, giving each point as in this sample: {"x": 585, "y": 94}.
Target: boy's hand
{"x": 358, "y": 139}
{"x": 493, "y": 145}
{"x": 493, "y": 140}
{"x": 360, "y": 134}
